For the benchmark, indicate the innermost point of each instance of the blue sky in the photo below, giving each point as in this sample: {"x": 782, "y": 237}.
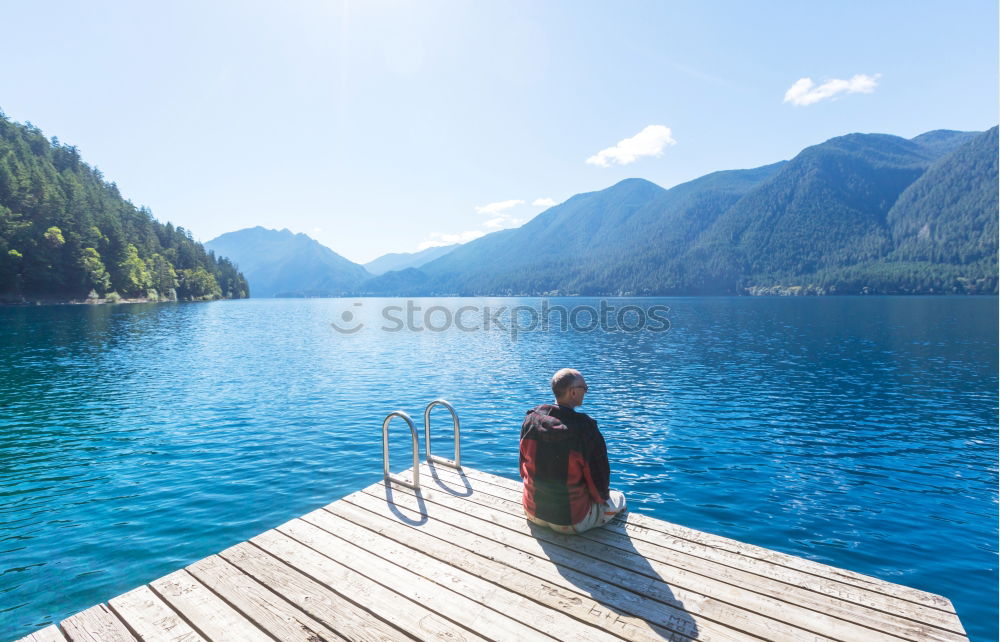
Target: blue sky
{"x": 384, "y": 126}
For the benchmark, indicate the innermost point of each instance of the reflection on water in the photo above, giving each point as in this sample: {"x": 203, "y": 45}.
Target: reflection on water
{"x": 134, "y": 439}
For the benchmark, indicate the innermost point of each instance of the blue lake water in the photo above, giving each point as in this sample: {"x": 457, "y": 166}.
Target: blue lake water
{"x": 859, "y": 432}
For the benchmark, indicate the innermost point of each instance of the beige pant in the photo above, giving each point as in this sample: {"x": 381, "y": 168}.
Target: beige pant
{"x": 599, "y": 515}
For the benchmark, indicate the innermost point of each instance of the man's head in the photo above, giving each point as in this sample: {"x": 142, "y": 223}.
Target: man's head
{"x": 569, "y": 387}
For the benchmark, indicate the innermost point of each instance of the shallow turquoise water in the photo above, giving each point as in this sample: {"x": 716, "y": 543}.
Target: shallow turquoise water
{"x": 859, "y": 432}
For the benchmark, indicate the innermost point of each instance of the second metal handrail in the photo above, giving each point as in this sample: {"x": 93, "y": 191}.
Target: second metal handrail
{"x": 457, "y": 463}
{"x": 415, "y": 484}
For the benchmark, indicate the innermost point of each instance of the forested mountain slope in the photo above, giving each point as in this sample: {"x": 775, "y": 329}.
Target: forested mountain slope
{"x": 858, "y": 213}
{"x": 948, "y": 215}
{"x": 66, "y": 233}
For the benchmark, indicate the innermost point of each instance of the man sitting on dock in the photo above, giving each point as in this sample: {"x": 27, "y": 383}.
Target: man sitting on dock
{"x": 564, "y": 462}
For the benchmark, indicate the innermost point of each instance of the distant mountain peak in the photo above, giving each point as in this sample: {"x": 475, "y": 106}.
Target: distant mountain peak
{"x": 283, "y": 263}
{"x": 943, "y": 141}
{"x": 403, "y": 260}
{"x": 940, "y": 133}
{"x": 634, "y": 185}
{"x": 634, "y": 182}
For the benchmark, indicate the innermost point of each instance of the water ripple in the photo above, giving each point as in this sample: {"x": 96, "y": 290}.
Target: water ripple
{"x": 135, "y": 439}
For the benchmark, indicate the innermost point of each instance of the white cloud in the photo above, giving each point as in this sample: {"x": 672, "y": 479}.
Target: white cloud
{"x": 437, "y": 239}
{"x": 806, "y": 92}
{"x": 496, "y": 208}
{"x": 503, "y": 222}
{"x": 543, "y": 202}
{"x": 649, "y": 142}
{"x": 500, "y": 220}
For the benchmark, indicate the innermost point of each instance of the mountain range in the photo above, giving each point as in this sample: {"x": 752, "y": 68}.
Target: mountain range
{"x": 404, "y": 260}
{"x": 859, "y": 213}
{"x": 283, "y": 264}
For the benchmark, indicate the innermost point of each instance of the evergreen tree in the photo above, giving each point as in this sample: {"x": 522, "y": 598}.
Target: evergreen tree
{"x": 95, "y": 275}
{"x": 65, "y": 231}
{"x": 132, "y": 278}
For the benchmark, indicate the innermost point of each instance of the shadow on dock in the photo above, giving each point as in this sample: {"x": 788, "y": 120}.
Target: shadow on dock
{"x": 620, "y": 579}
{"x": 466, "y": 491}
{"x": 403, "y": 517}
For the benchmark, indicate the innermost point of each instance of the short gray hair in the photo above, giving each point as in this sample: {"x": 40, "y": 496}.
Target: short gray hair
{"x": 564, "y": 380}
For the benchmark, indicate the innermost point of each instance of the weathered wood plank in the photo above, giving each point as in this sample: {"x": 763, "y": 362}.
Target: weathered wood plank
{"x": 487, "y": 480}
{"x": 50, "y": 633}
{"x": 573, "y": 550}
{"x": 327, "y": 606}
{"x": 485, "y": 593}
{"x": 569, "y": 549}
{"x": 624, "y": 592}
{"x": 151, "y": 618}
{"x": 448, "y": 603}
{"x": 483, "y": 563}
{"x": 415, "y": 619}
{"x": 897, "y": 617}
{"x": 841, "y": 583}
{"x": 96, "y": 624}
{"x": 206, "y": 610}
{"x": 459, "y": 561}
{"x": 259, "y": 604}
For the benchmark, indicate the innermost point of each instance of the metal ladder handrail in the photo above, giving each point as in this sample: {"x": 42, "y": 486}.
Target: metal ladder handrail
{"x": 415, "y": 484}
{"x": 457, "y": 463}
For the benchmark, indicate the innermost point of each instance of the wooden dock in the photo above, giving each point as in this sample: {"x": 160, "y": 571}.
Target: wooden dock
{"x": 459, "y": 561}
